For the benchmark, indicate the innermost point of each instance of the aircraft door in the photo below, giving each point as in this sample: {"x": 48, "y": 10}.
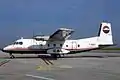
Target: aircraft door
{"x": 74, "y": 45}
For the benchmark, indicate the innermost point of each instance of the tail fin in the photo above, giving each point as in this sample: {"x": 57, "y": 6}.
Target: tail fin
{"x": 105, "y": 34}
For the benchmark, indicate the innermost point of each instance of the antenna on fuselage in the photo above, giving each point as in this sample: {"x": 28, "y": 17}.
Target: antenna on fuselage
{"x": 21, "y": 37}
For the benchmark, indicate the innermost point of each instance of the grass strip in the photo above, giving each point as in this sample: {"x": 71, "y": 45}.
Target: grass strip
{"x": 2, "y": 62}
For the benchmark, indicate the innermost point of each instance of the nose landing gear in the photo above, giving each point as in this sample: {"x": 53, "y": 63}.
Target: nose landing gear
{"x": 12, "y": 56}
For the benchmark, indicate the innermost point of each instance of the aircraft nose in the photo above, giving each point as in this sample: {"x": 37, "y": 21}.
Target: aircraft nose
{"x": 5, "y": 49}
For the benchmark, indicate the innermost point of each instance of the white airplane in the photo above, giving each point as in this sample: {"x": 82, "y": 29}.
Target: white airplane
{"x": 58, "y": 43}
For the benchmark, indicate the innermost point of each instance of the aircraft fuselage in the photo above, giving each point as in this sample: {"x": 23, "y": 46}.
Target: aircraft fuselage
{"x": 34, "y": 46}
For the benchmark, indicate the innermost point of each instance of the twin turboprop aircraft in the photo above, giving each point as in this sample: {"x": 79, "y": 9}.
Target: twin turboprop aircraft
{"x": 58, "y": 43}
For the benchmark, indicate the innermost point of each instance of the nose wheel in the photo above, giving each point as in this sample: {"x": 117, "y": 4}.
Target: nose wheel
{"x": 12, "y": 56}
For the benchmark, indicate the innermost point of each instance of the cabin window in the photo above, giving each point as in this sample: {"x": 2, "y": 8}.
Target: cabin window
{"x": 58, "y": 50}
{"x": 48, "y": 45}
{"x": 78, "y": 45}
{"x": 60, "y": 45}
{"x": 54, "y": 50}
{"x": 66, "y": 45}
{"x": 41, "y": 45}
{"x": 54, "y": 45}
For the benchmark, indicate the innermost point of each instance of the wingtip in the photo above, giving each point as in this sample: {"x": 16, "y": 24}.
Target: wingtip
{"x": 66, "y": 29}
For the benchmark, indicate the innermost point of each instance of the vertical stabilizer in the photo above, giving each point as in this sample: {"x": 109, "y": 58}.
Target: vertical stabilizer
{"x": 105, "y": 34}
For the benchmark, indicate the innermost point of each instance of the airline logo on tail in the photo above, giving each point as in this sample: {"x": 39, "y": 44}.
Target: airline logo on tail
{"x": 106, "y": 29}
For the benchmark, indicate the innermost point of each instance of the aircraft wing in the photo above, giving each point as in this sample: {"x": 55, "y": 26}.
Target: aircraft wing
{"x": 61, "y": 34}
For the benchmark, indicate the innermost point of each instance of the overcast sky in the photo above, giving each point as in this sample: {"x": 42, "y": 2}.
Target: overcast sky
{"x": 20, "y": 18}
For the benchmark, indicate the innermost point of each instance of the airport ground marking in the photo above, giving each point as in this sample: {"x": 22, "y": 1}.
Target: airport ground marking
{"x": 44, "y": 68}
{"x": 50, "y": 67}
{"x": 65, "y": 66}
{"x": 40, "y": 77}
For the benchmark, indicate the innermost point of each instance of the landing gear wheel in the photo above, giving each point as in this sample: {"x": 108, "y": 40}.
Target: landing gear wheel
{"x": 55, "y": 56}
{"x": 59, "y": 56}
{"x": 12, "y": 56}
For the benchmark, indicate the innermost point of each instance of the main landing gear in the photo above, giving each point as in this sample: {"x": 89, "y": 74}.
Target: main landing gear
{"x": 55, "y": 56}
{"x": 12, "y": 56}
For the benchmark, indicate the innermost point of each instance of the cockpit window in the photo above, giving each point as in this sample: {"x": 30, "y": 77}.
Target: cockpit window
{"x": 18, "y": 43}
{"x": 15, "y": 43}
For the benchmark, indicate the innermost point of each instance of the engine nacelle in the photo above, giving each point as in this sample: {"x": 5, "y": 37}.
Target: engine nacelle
{"x": 57, "y": 51}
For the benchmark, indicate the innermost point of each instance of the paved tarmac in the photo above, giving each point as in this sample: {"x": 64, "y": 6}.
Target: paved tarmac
{"x": 84, "y": 66}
